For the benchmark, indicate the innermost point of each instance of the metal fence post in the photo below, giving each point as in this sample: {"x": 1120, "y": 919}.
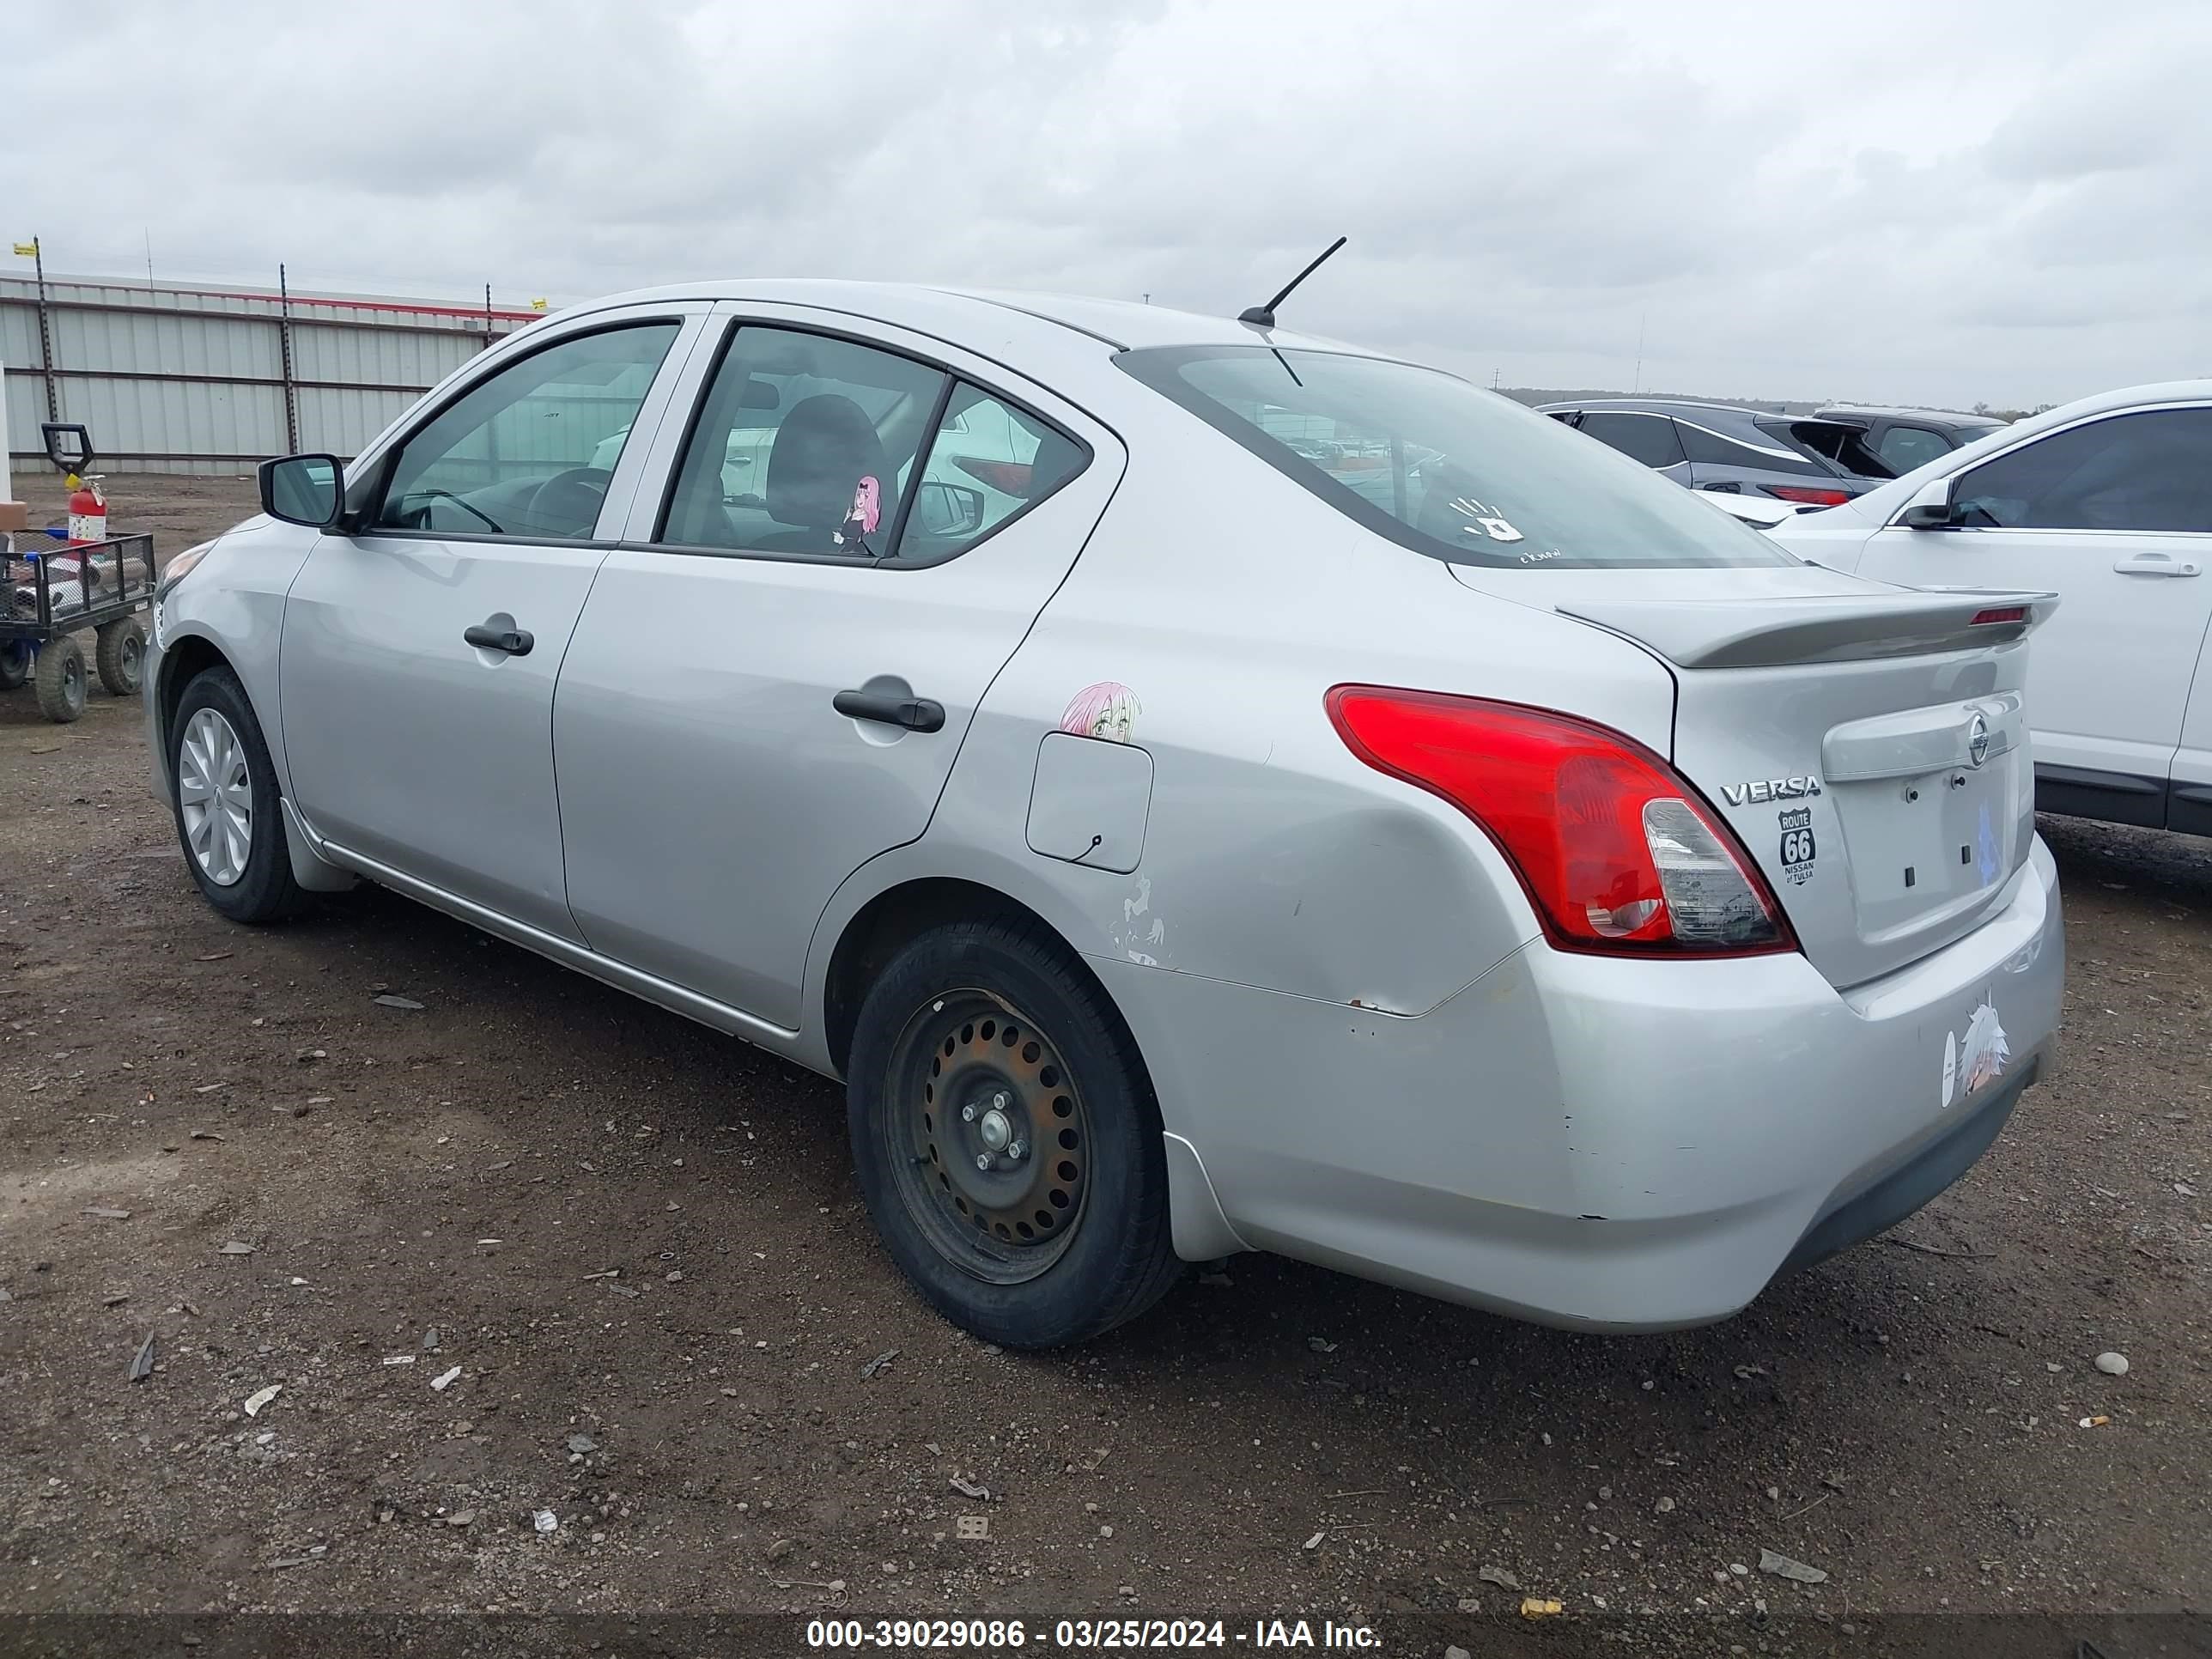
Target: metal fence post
{"x": 45, "y": 332}
{"x": 284, "y": 350}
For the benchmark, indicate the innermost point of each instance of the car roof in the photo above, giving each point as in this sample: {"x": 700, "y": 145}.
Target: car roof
{"x": 1054, "y": 326}
{"x": 1689, "y": 408}
{"x": 1957, "y": 420}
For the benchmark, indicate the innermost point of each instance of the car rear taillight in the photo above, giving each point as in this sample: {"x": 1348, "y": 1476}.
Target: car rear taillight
{"x": 1007, "y": 477}
{"x": 1998, "y": 613}
{"x": 1807, "y": 494}
{"x": 1615, "y": 850}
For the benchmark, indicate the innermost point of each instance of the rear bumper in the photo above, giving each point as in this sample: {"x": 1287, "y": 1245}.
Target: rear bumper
{"x": 1599, "y": 1143}
{"x": 1887, "y": 1199}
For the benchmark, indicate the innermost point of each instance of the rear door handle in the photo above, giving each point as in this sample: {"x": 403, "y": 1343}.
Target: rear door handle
{"x": 508, "y": 641}
{"x": 2157, "y": 564}
{"x": 914, "y": 714}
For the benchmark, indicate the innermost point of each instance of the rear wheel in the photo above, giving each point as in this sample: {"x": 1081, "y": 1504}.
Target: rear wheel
{"x": 14, "y": 664}
{"x": 60, "y": 680}
{"x": 224, "y": 791}
{"x": 1007, "y": 1138}
{"x": 121, "y": 656}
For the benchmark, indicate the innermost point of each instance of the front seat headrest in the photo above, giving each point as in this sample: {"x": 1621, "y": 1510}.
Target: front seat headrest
{"x": 823, "y": 450}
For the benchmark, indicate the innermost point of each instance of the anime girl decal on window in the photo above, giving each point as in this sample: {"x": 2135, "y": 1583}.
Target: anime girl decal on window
{"x": 866, "y": 512}
{"x": 1107, "y": 710}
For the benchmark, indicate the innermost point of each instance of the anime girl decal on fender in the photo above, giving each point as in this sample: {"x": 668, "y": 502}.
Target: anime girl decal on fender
{"x": 1107, "y": 710}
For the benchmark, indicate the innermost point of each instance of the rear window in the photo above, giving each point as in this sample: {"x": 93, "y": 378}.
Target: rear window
{"x": 1443, "y": 467}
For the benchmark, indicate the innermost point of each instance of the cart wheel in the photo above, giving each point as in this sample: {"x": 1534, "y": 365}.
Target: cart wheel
{"x": 14, "y": 665}
{"x": 121, "y": 655}
{"x": 60, "y": 679}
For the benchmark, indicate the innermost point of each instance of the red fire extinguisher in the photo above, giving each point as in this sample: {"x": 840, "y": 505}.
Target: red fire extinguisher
{"x": 88, "y": 511}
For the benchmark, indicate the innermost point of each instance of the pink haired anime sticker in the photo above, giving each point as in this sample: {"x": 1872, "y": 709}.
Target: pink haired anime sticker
{"x": 867, "y": 511}
{"x": 1107, "y": 710}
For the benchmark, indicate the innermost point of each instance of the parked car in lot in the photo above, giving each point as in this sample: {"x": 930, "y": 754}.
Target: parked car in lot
{"x": 1434, "y": 848}
{"x": 1713, "y": 447}
{"x": 1876, "y": 442}
{"x": 2108, "y": 502}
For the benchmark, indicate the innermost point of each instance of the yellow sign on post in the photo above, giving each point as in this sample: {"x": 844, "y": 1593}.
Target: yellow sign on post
{"x": 27, "y": 250}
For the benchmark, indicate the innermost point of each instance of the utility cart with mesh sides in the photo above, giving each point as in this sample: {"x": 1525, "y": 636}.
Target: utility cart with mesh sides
{"x": 52, "y": 589}
{"x": 51, "y": 595}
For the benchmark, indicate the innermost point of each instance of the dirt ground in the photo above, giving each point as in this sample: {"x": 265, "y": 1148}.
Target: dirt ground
{"x": 640, "y": 1244}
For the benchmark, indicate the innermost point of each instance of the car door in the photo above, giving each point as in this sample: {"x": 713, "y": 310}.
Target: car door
{"x": 769, "y": 684}
{"x": 2114, "y": 514}
{"x": 1642, "y": 436}
{"x": 422, "y": 641}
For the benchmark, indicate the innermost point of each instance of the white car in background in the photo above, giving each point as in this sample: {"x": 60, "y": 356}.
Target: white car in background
{"x": 2108, "y": 503}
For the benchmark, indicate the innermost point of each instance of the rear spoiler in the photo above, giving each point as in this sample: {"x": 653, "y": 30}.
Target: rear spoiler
{"x": 1770, "y": 633}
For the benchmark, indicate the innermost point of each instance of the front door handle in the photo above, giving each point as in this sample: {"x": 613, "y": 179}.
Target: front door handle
{"x": 914, "y": 714}
{"x": 508, "y": 641}
{"x": 2157, "y": 564}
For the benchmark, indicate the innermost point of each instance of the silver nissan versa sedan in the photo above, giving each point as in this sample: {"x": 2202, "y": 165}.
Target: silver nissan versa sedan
{"x": 1238, "y": 792}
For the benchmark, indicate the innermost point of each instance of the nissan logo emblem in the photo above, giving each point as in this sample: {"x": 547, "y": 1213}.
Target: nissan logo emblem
{"x": 1977, "y": 740}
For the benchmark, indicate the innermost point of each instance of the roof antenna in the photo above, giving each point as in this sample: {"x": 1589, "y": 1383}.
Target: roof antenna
{"x": 1264, "y": 316}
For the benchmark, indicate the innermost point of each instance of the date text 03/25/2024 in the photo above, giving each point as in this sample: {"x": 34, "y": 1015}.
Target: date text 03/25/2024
{"x": 897, "y": 1635}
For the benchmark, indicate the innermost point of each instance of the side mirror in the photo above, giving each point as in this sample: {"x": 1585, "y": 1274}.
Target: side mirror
{"x": 945, "y": 509}
{"x": 1930, "y": 507}
{"x": 308, "y": 489}
{"x": 68, "y": 447}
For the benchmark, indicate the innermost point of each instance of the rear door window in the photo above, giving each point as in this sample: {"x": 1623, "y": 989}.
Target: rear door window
{"x": 2151, "y": 471}
{"x": 1442, "y": 467}
{"x": 1647, "y": 438}
{"x": 804, "y": 444}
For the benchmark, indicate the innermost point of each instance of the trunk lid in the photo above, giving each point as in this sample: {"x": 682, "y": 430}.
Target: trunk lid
{"x": 1867, "y": 744}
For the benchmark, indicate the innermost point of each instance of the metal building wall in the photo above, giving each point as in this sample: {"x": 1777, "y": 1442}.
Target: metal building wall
{"x": 183, "y": 379}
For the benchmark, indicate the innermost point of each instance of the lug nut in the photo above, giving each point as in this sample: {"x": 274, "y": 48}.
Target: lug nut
{"x": 968, "y": 1113}
{"x": 1018, "y": 1150}
{"x": 983, "y": 1160}
{"x": 1000, "y": 1101}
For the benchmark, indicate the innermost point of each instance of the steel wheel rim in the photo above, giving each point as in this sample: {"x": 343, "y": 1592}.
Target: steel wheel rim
{"x": 132, "y": 654}
{"x": 963, "y": 1089}
{"x": 215, "y": 795}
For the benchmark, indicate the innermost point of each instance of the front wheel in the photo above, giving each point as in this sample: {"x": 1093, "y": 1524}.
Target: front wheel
{"x": 1007, "y": 1138}
{"x": 224, "y": 790}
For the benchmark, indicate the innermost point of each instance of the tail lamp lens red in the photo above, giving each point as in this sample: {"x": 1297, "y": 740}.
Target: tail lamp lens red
{"x": 1617, "y": 851}
{"x": 1807, "y": 494}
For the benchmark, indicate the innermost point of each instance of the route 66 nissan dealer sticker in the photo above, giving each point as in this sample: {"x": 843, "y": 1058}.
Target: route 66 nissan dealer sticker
{"x": 1796, "y": 843}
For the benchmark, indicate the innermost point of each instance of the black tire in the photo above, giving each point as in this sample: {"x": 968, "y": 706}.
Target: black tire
{"x": 121, "y": 656}
{"x": 933, "y": 1026}
{"x": 264, "y": 890}
{"x": 14, "y": 665}
{"x": 60, "y": 680}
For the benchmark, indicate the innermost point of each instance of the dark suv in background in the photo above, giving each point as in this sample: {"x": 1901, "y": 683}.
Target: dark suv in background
{"x": 1886, "y": 443}
{"x": 1811, "y": 460}
{"x": 1715, "y": 446}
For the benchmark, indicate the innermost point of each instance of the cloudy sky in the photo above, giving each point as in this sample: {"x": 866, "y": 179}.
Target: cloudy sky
{"x": 2003, "y": 200}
